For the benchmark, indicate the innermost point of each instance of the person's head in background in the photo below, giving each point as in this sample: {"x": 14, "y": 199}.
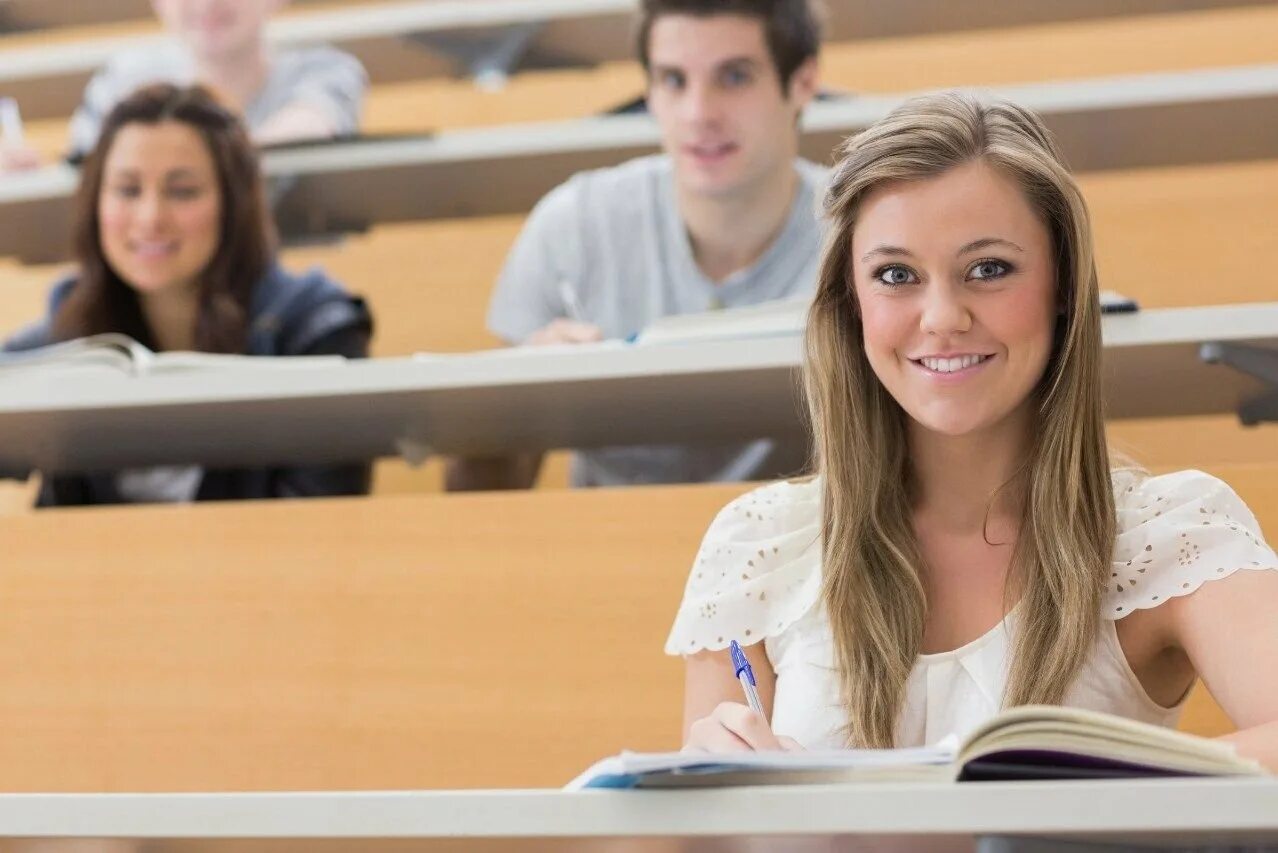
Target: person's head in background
{"x": 726, "y": 82}
{"x": 957, "y": 323}
{"x": 219, "y": 32}
{"x": 171, "y": 229}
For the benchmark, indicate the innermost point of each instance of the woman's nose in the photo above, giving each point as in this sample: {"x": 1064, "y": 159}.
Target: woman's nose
{"x": 944, "y": 312}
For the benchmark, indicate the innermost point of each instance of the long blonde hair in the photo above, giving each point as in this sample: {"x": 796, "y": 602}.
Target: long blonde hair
{"x": 872, "y": 587}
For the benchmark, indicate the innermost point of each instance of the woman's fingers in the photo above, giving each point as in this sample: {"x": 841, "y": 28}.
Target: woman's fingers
{"x": 732, "y": 727}
{"x": 746, "y": 724}
{"x": 708, "y": 734}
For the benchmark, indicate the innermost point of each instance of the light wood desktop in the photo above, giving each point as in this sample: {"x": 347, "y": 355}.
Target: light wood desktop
{"x": 533, "y": 399}
{"x": 801, "y": 819}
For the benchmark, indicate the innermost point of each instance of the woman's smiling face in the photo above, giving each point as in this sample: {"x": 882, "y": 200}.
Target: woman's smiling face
{"x": 955, "y": 281}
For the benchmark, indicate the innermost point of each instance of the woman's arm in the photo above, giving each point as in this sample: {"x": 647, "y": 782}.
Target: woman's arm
{"x": 715, "y": 716}
{"x": 1229, "y": 630}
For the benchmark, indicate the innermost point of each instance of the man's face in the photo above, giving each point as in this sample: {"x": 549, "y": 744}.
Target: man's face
{"x": 217, "y": 29}
{"x": 725, "y": 118}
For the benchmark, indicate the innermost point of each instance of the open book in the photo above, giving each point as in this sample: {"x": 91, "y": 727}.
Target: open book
{"x": 1028, "y": 742}
{"x": 122, "y": 354}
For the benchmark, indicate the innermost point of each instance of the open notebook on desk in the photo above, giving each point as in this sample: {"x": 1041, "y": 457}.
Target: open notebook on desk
{"x": 121, "y": 354}
{"x": 1028, "y": 742}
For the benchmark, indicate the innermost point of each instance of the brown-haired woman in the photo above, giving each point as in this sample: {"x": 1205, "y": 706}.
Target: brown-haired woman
{"x": 967, "y": 542}
{"x": 175, "y": 248}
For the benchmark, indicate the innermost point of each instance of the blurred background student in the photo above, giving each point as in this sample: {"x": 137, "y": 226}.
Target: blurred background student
{"x": 175, "y": 248}
{"x": 302, "y": 93}
{"x": 725, "y": 216}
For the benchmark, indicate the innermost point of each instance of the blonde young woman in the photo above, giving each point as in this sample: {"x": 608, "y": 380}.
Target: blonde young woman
{"x": 966, "y": 543}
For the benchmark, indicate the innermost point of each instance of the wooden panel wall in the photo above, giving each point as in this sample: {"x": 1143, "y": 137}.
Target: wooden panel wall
{"x": 394, "y": 642}
{"x": 412, "y": 641}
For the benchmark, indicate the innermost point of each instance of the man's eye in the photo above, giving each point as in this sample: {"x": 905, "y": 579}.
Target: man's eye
{"x": 671, "y": 80}
{"x": 895, "y": 275}
{"x": 736, "y": 77}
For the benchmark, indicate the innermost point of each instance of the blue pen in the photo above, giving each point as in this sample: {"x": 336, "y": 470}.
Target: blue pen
{"x": 741, "y": 668}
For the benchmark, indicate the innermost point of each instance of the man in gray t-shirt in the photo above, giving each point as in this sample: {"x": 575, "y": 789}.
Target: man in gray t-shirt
{"x": 726, "y": 216}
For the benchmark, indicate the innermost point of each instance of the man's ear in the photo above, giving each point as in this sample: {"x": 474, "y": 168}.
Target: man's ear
{"x": 804, "y": 82}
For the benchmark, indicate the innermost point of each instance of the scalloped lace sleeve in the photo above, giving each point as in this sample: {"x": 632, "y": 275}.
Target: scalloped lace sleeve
{"x": 757, "y": 572}
{"x": 1175, "y": 533}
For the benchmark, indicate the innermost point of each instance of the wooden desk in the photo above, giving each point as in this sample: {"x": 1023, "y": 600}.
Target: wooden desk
{"x": 329, "y": 188}
{"x": 532, "y": 399}
{"x": 933, "y": 817}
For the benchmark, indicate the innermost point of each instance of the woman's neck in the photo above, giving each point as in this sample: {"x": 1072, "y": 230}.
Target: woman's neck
{"x": 171, "y": 317}
{"x": 966, "y": 483}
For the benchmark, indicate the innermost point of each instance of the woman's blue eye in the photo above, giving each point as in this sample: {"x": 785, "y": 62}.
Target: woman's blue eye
{"x": 184, "y": 193}
{"x": 895, "y": 275}
{"x": 985, "y": 270}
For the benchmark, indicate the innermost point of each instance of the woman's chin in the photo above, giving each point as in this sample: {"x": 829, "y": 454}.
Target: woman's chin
{"x": 951, "y": 424}
{"x": 149, "y": 284}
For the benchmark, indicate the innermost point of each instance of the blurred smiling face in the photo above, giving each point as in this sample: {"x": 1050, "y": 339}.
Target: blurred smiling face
{"x": 725, "y": 118}
{"x": 956, "y": 284}
{"x": 216, "y": 29}
{"x": 159, "y": 207}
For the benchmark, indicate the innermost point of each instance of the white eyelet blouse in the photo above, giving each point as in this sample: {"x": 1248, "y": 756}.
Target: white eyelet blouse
{"x": 757, "y": 577}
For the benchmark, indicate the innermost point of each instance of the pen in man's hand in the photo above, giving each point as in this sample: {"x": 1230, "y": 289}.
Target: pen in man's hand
{"x": 568, "y": 295}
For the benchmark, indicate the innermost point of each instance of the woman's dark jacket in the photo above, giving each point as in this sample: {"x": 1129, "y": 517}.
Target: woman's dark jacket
{"x": 308, "y": 314}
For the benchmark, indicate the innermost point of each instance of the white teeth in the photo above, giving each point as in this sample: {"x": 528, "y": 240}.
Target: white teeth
{"x": 951, "y": 365}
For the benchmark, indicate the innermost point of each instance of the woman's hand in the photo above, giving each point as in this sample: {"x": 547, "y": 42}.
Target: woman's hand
{"x": 733, "y": 727}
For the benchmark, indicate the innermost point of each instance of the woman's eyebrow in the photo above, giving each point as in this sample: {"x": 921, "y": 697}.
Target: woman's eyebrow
{"x": 986, "y": 242}
{"x": 182, "y": 173}
{"x": 890, "y": 251}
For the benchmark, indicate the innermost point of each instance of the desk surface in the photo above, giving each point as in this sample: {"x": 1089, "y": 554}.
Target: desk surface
{"x": 328, "y": 188}
{"x": 532, "y": 399}
{"x": 903, "y": 816}
{"x": 417, "y": 39}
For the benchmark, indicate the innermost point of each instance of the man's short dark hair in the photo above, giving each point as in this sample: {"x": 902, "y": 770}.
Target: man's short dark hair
{"x": 792, "y": 28}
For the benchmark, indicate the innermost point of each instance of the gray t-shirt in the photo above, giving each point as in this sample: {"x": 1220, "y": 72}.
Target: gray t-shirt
{"x": 321, "y": 77}
{"x": 613, "y": 238}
